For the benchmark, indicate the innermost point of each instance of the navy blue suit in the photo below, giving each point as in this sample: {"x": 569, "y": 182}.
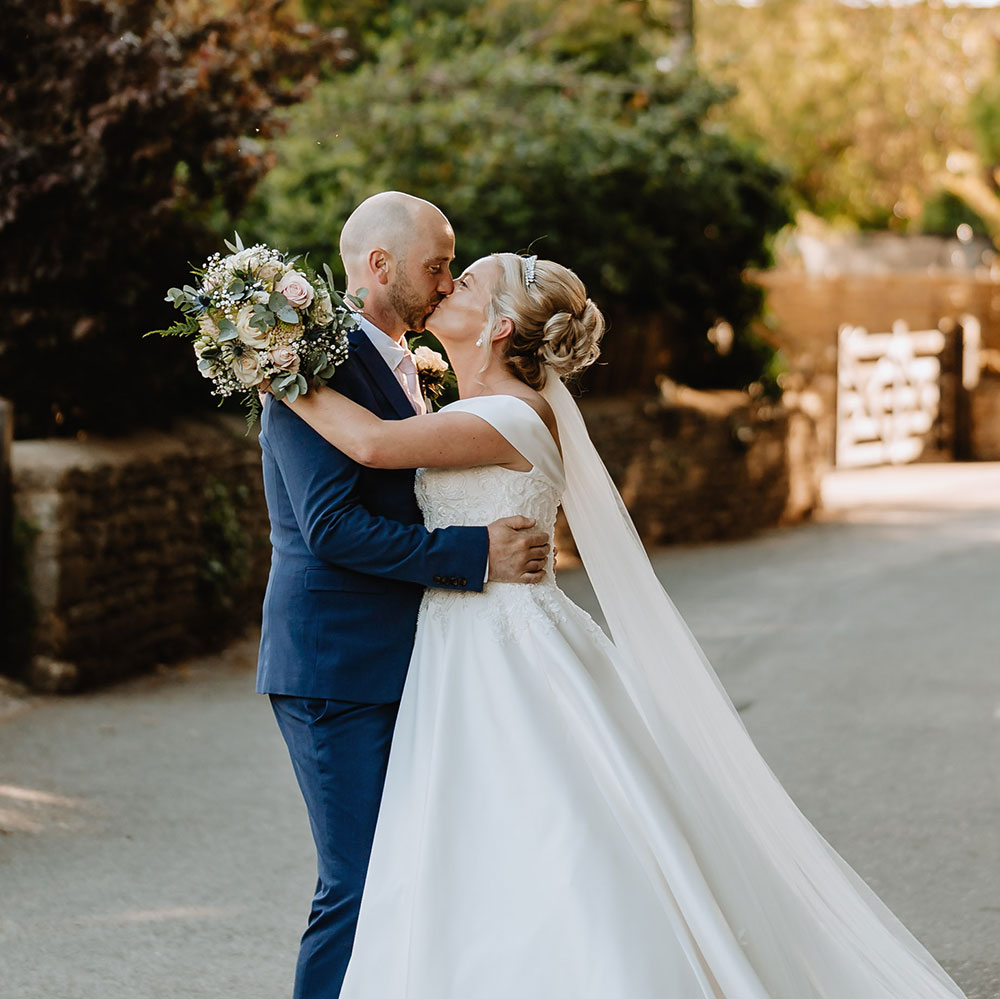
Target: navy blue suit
{"x": 350, "y": 561}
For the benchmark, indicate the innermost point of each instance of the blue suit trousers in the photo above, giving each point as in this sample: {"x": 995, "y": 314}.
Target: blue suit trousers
{"x": 339, "y": 750}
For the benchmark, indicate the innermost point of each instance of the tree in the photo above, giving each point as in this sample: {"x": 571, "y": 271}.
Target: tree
{"x": 126, "y": 130}
{"x": 594, "y": 158}
{"x": 860, "y": 103}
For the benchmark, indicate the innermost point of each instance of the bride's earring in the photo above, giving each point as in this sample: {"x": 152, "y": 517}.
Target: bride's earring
{"x": 479, "y": 342}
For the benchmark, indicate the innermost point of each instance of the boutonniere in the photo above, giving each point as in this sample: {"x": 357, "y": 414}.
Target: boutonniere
{"x": 434, "y": 374}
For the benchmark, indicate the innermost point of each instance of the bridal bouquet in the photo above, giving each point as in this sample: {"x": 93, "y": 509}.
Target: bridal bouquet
{"x": 259, "y": 314}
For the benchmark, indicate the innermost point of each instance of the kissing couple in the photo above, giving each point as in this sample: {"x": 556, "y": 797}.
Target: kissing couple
{"x": 506, "y": 802}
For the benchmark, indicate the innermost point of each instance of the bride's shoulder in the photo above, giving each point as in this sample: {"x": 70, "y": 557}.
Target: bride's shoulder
{"x": 535, "y": 400}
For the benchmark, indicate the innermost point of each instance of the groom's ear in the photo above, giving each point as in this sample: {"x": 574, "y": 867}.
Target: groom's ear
{"x": 380, "y": 265}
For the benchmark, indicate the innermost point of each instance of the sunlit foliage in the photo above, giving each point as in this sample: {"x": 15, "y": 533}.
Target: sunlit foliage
{"x": 861, "y": 103}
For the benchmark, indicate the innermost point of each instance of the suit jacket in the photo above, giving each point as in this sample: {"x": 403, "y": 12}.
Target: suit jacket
{"x": 351, "y": 556}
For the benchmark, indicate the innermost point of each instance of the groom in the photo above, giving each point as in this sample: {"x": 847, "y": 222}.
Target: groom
{"x": 350, "y": 561}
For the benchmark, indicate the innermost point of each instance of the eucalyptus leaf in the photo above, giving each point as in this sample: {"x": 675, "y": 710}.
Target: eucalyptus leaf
{"x": 236, "y": 287}
{"x": 276, "y": 301}
{"x": 293, "y": 392}
{"x": 263, "y": 321}
{"x": 226, "y": 325}
{"x": 288, "y": 314}
{"x": 228, "y": 335}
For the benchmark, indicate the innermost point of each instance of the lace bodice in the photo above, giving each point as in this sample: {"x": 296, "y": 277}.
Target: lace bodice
{"x": 469, "y": 496}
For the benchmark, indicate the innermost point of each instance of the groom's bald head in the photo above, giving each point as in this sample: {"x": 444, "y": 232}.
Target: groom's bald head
{"x": 391, "y": 221}
{"x": 400, "y": 248}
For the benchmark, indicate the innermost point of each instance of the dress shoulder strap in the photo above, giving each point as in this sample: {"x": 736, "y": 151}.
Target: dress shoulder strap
{"x": 518, "y": 422}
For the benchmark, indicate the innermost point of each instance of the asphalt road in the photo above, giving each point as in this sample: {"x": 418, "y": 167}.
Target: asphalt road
{"x": 153, "y": 843}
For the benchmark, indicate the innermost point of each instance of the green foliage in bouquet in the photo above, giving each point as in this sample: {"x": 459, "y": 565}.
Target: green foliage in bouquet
{"x": 129, "y": 130}
{"x": 592, "y": 155}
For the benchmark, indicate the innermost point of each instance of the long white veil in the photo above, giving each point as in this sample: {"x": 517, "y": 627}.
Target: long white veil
{"x": 786, "y": 900}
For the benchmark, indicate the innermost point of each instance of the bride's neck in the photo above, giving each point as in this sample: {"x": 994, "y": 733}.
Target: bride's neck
{"x": 473, "y": 380}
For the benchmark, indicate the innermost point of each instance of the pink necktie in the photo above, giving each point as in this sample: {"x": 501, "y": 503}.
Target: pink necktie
{"x": 408, "y": 368}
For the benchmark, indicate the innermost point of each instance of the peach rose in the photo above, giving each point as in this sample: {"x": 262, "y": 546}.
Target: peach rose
{"x": 296, "y": 289}
{"x": 285, "y": 358}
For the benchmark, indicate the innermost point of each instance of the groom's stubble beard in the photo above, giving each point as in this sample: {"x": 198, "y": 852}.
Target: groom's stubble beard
{"x": 407, "y": 302}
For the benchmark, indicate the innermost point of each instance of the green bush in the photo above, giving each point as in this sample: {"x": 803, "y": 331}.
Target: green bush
{"x": 617, "y": 172}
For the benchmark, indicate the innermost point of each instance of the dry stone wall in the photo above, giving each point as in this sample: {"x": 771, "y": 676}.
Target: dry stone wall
{"x": 150, "y": 546}
{"x": 126, "y": 530}
{"x": 699, "y": 466}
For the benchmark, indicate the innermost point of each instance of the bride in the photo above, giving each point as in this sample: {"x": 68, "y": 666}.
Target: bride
{"x": 567, "y": 816}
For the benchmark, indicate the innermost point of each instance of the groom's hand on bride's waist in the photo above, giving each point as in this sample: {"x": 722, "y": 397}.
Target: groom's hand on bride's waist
{"x": 518, "y": 553}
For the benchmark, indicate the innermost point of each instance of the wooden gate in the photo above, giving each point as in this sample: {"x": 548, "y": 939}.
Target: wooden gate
{"x": 888, "y": 394}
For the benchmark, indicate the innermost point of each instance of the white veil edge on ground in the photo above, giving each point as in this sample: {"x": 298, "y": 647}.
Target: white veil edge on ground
{"x": 813, "y": 906}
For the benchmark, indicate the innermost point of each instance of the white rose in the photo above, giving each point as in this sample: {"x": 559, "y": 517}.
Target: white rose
{"x": 250, "y": 335}
{"x": 430, "y": 361}
{"x": 246, "y": 368}
{"x": 285, "y": 358}
{"x": 296, "y": 289}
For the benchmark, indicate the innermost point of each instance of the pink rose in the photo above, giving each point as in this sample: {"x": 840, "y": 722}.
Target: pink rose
{"x": 285, "y": 358}
{"x": 296, "y": 289}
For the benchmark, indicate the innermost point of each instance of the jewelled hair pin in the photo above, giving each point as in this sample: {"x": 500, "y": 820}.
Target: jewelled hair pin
{"x": 529, "y": 270}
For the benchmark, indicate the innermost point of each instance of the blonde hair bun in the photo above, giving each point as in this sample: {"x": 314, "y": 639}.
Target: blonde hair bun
{"x": 571, "y": 343}
{"x": 556, "y": 326}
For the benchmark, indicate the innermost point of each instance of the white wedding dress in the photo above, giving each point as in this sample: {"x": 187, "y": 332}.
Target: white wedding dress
{"x": 556, "y": 824}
